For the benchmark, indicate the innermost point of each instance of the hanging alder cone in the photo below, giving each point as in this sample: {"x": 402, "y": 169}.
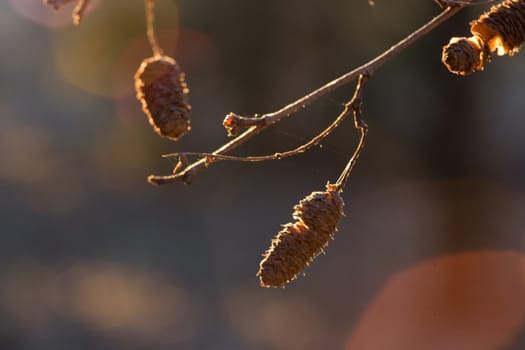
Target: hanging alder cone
{"x": 466, "y": 55}
{"x": 502, "y": 29}
{"x": 163, "y": 93}
{"x": 298, "y": 243}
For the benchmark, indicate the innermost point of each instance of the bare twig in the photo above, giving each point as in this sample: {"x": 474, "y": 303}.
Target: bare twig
{"x": 355, "y": 105}
{"x": 78, "y": 12}
{"x": 150, "y": 27}
{"x": 264, "y": 121}
{"x": 446, "y": 3}
{"x": 350, "y": 107}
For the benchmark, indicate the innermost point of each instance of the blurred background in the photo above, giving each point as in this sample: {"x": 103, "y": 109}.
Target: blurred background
{"x": 429, "y": 255}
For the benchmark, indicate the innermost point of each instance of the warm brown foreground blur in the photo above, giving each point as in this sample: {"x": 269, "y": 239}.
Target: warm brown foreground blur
{"x": 471, "y": 300}
{"x": 431, "y": 253}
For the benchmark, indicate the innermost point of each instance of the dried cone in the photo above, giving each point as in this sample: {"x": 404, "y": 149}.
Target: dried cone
{"x": 465, "y": 55}
{"x": 298, "y": 243}
{"x": 163, "y": 92}
{"x": 503, "y": 27}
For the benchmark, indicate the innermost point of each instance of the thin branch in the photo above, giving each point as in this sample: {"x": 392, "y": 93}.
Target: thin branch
{"x": 356, "y": 106}
{"x": 266, "y": 120}
{"x": 78, "y": 12}
{"x": 349, "y": 107}
{"x": 447, "y": 3}
{"x": 341, "y": 182}
{"x": 150, "y": 27}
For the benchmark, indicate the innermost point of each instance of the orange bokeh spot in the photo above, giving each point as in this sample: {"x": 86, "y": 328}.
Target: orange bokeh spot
{"x": 472, "y": 300}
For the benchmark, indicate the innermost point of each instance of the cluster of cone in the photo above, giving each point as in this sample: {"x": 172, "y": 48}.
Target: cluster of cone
{"x": 502, "y": 29}
{"x": 161, "y": 88}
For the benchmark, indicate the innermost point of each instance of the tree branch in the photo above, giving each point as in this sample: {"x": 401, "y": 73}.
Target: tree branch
{"x": 350, "y": 107}
{"x": 257, "y": 124}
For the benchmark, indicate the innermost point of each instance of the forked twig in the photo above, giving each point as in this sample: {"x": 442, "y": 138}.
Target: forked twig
{"x": 260, "y": 123}
{"x": 315, "y": 218}
{"x": 349, "y": 107}
{"x": 356, "y": 106}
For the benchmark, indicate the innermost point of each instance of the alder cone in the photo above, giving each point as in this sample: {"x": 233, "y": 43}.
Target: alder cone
{"x": 503, "y": 27}
{"x": 298, "y": 243}
{"x": 465, "y": 55}
{"x": 163, "y": 93}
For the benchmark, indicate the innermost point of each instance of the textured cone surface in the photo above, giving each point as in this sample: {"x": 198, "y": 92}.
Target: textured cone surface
{"x": 298, "y": 243}
{"x": 163, "y": 93}
{"x": 503, "y": 27}
{"x": 465, "y": 55}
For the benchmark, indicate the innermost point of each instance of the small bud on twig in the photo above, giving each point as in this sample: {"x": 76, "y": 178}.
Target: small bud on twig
{"x": 231, "y": 124}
